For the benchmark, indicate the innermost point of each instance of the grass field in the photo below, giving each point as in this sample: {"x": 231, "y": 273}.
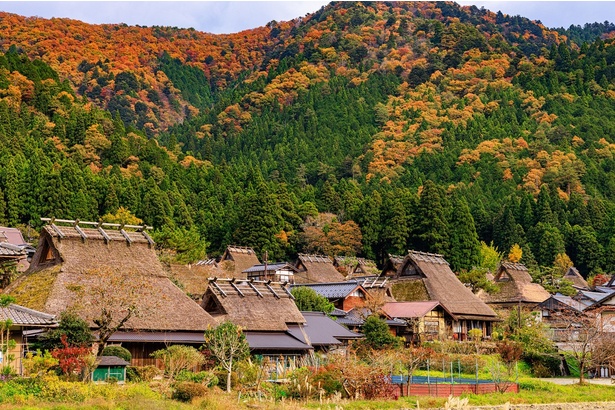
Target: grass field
{"x": 140, "y": 397}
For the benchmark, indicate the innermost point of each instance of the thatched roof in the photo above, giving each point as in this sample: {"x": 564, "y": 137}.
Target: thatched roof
{"x": 516, "y": 286}
{"x": 193, "y": 278}
{"x": 353, "y": 267}
{"x": 236, "y": 259}
{"x": 392, "y": 265}
{"x": 316, "y": 269}
{"x": 431, "y": 278}
{"x": 72, "y": 264}
{"x": 253, "y": 305}
{"x": 575, "y": 277}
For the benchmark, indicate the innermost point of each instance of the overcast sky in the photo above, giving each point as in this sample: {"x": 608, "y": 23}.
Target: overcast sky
{"x": 233, "y": 16}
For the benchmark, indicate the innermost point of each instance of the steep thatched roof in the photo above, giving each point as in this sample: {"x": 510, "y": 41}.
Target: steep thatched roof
{"x": 353, "y": 267}
{"x": 431, "y": 278}
{"x": 392, "y": 265}
{"x": 253, "y": 305}
{"x": 575, "y": 277}
{"x": 72, "y": 265}
{"x": 237, "y": 259}
{"x": 316, "y": 269}
{"x": 193, "y": 278}
{"x": 516, "y": 286}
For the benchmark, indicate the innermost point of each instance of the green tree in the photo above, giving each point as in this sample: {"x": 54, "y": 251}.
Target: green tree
{"x": 377, "y": 334}
{"x": 431, "y": 223}
{"x": 307, "y": 300}
{"x": 228, "y": 345}
{"x": 75, "y": 329}
{"x": 464, "y": 251}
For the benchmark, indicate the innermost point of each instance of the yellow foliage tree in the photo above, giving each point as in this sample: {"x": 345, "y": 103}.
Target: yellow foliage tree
{"x": 515, "y": 253}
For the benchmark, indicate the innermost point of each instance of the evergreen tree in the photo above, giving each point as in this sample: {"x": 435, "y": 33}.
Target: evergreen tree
{"x": 432, "y": 228}
{"x": 464, "y": 251}
{"x": 370, "y": 223}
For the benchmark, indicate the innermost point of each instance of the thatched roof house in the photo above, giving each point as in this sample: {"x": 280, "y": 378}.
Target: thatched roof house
{"x": 316, "y": 269}
{"x": 428, "y": 277}
{"x": 264, "y": 310}
{"x": 353, "y": 267}
{"x": 573, "y": 275}
{"x": 516, "y": 287}
{"x": 193, "y": 278}
{"x": 72, "y": 263}
{"x": 237, "y": 259}
{"x": 392, "y": 266}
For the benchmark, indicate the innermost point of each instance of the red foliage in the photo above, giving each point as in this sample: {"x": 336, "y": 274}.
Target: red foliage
{"x": 72, "y": 359}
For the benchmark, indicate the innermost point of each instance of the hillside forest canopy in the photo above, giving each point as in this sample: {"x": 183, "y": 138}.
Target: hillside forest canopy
{"x": 361, "y": 129}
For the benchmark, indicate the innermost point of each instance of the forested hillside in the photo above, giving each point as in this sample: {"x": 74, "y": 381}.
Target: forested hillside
{"x": 362, "y": 129}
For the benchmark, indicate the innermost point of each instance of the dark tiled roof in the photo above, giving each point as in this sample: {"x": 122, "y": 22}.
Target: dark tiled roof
{"x": 322, "y": 330}
{"x": 331, "y": 290}
{"x": 338, "y": 313}
{"x": 23, "y": 316}
{"x": 112, "y": 361}
{"x": 162, "y": 337}
{"x": 274, "y": 341}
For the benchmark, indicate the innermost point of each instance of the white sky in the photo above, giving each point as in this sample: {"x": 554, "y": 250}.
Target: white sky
{"x": 233, "y": 16}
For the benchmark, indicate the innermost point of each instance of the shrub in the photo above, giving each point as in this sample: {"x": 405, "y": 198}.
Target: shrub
{"x": 142, "y": 373}
{"x": 177, "y": 358}
{"x": 329, "y": 378}
{"x": 206, "y": 378}
{"x": 117, "y": 351}
{"x": 186, "y": 391}
{"x": 38, "y": 364}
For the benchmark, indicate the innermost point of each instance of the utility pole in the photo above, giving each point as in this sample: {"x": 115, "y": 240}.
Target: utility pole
{"x": 266, "y": 273}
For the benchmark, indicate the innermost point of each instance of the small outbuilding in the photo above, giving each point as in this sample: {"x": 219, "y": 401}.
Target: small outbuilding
{"x": 110, "y": 368}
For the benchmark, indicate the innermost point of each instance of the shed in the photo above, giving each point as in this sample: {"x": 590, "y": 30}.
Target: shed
{"x": 110, "y": 367}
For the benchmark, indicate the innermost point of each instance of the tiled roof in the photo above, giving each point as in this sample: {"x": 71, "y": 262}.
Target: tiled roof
{"x": 23, "y": 316}
{"x": 331, "y": 290}
{"x": 162, "y": 337}
{"x": 322, "y": 330}
{"x": 271, "y": 267}
{"x": 274, "y": 341}
{"x": 10, "y": 250}
{"x": 112, "y": 361}
{"x": 409, "y": 309}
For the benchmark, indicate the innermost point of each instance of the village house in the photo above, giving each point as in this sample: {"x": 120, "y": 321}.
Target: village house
{"x": 22, "y": 321}
{"x": 278, "y": 272}
{"x": 324, "y": 334}
{"x": 235, "y": 260}
{"x": 391, "y": 266}
{"x": 515, "y": 288}
{"x": 72, "y": 269}
{"x": 193, "y": 278}
{"x": 344, "y": 295}
{"x": 14, "y": 251}
{"x": 264, "y": 310}
{"x": 577, "y": 280}
{"x": 425, "y": 321}
{"x": 428, "y": 277}
{"x": 354, "y": 268}
{"x": 316, "y": 269}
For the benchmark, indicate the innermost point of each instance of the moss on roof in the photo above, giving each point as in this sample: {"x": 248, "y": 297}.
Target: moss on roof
{"x": 409, "y": 291}
{"x": 35, "y": 291}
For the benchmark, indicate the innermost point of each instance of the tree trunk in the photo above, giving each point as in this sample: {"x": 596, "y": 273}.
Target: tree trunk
{"x": 228, "y": 376}
{"x": 581, "y": 371}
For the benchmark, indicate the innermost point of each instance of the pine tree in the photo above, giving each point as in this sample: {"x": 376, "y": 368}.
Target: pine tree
{"x": 370, "y": 223}
{"x": 432, "y": 228}
{"x": 464, "y": 251}
{"x": 394, "y": 228}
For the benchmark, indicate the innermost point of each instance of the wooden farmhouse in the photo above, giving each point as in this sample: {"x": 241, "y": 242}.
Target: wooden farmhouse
{"x": 235, "y": 260}
{"x": 193, "y": 278}
{"x": 428, "y": 277}
{"x": 391, "y": 266}
{"x": 283, "y": 272}
{"x": 316, "y": 269}
{"x": 425, "y": 321}
{"x": 344, "y": 295}
{"x": 264, "y": 310}
{"x": 515, "y": 288}
{"x": 89, "y": 268}
{"x": 24, "y": 321}
{"x": 352, "y": 267}
{"x": 578, "y": 282}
